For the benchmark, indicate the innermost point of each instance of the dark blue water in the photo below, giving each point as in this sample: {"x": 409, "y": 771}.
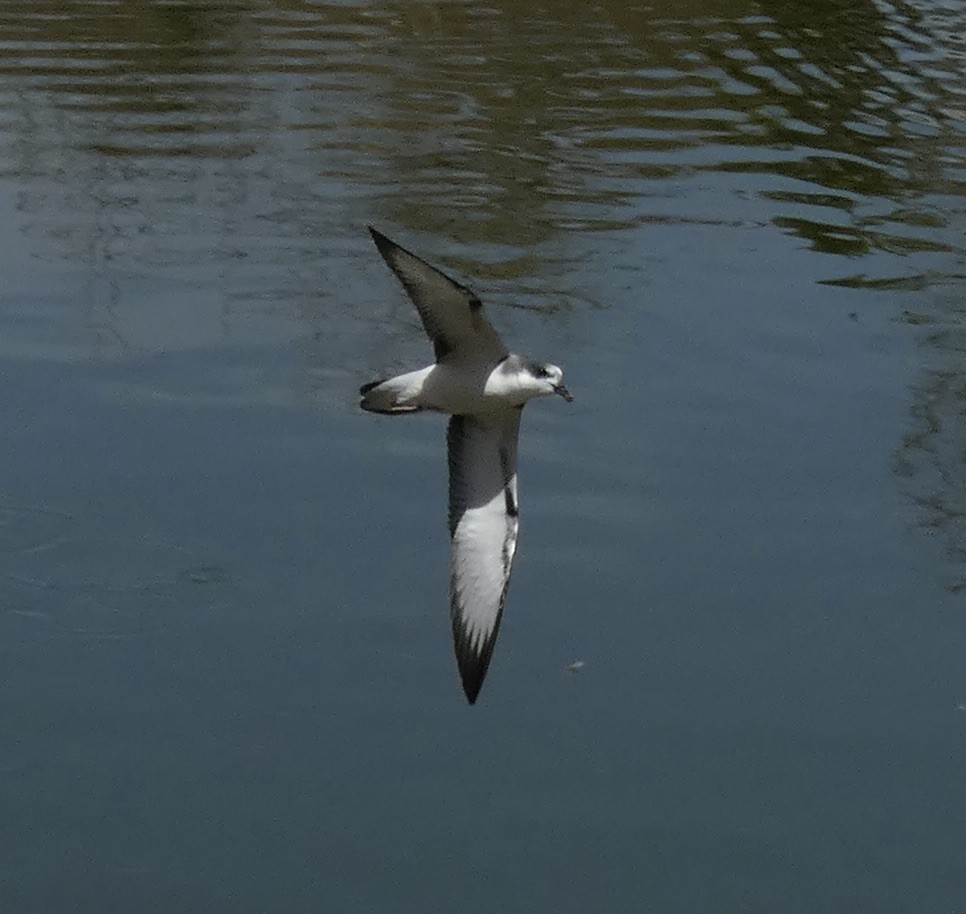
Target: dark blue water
{"x": 226, "y": 677}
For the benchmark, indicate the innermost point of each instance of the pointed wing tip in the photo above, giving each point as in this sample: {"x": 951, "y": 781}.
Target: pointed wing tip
{"x": 471, "y": 684}
{"x": 390, "y": 252}
{"x": 382, "y": 242}
{"x": 473, "y": 665}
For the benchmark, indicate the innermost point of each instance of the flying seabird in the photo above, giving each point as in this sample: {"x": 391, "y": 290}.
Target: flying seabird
{"x": 483, "y": 388}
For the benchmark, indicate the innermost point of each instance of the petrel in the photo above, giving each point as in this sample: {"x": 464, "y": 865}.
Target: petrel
{"x": 483, "y": 388}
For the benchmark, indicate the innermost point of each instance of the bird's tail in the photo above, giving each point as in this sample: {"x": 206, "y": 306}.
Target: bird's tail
{"x": 385, "y": 396}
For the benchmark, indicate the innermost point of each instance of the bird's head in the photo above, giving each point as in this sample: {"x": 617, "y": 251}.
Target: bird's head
{"x": 518, "y": 380}
{"x": 550, "y": 379}
{"x": 538, "y": 380}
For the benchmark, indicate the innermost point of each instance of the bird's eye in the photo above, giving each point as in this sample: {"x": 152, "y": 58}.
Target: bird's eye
{"x": 542, "y": 373}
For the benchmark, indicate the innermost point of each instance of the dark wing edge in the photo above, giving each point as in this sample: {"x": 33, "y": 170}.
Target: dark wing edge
{"x": 473, "y": 650}
{"x": 387, "y": 246}
{"x": 474, "y": 662}
{"x": 390, "y": 252}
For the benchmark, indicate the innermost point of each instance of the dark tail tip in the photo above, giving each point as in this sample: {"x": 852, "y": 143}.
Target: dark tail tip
{"x": 367, "y": 387}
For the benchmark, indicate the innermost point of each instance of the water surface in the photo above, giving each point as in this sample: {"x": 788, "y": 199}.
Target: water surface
{"x": 226, "y": 677}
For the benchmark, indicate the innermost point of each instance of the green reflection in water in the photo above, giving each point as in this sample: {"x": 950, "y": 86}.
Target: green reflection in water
{"x": 505, "y": 124}
{"x": 170, "y": 137}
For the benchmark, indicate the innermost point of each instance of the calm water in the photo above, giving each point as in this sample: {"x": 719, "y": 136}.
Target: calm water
{"x": 226, "y": 681}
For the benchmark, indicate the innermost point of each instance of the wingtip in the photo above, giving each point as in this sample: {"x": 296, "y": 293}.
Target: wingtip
{"x": 472, "y": 690}
{"x": 472, "y": 667}
{"x": 386, "y": 246}
{"x": 378, "y": 237}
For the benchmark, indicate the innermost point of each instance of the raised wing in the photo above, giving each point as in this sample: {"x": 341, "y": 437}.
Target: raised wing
{"x": 451, "y": 314}
{"x": 483, "y": 529}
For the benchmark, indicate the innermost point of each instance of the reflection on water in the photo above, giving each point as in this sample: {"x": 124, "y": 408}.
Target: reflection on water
{"x": 740, "y": 226}
{"x": 180, "y": 135}
{"x": 181, "y": 132}
{"x": 932, "y": 455}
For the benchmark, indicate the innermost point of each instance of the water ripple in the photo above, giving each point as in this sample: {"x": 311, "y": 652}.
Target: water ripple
{"x": 176, "y": 133}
